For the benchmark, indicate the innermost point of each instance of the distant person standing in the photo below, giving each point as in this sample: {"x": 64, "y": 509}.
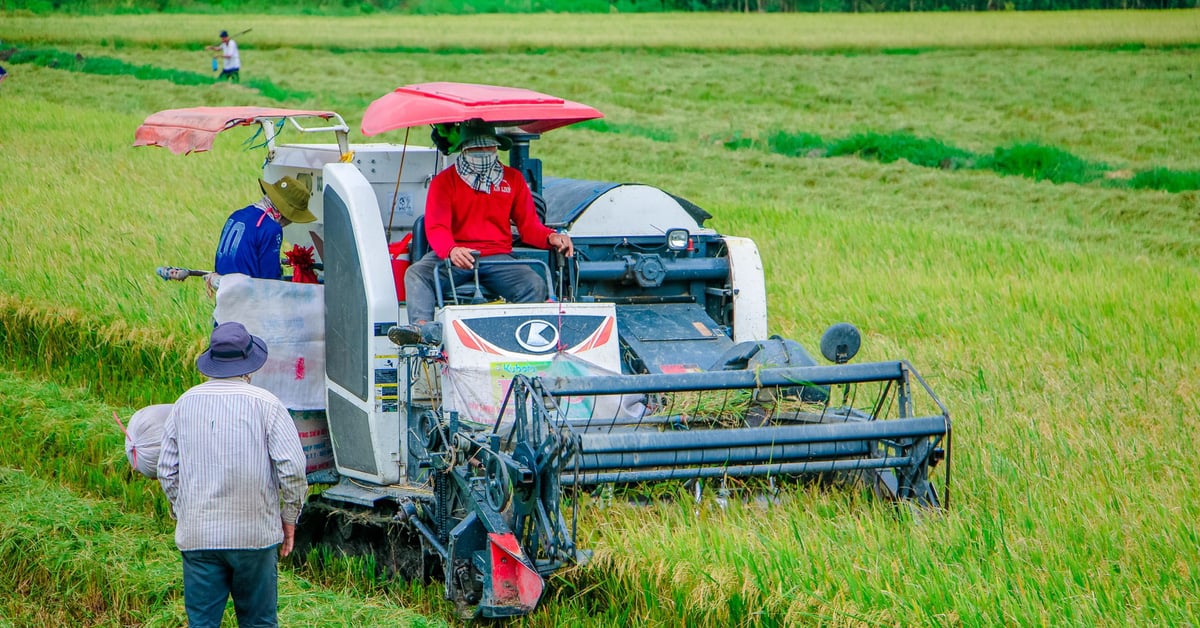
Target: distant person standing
{"x": 231, "y": 61}
{"x": 232, "y": 467}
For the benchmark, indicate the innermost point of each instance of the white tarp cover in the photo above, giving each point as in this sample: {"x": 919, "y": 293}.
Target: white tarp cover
{"x": 290, "y": 318}
{"x": 143, "y": 438}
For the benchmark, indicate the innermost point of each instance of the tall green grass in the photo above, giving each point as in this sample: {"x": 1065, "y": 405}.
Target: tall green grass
{"x": 1028, "y": 159}
{"x": 107, "y": 66}
{"x": 89, "y": 541}
{"x": 1056, "y": 321}
{"x": 74, "y": 560}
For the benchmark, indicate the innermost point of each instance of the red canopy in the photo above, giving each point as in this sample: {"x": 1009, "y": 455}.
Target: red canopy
{"x": 433, "y": 103}
{"x": 193, "y": 129}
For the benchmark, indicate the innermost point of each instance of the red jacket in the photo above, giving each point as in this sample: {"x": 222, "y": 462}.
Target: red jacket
{"x": 457, "y": 215}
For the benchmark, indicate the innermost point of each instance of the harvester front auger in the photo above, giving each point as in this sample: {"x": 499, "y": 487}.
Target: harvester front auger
{"x": 695, "y": 426}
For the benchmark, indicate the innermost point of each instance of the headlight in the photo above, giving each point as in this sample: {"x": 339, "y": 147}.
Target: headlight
{"x": 677, "y": 239}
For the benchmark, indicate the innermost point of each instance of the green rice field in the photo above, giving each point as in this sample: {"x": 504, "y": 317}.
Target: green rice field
{"x": 1011, "y": 201}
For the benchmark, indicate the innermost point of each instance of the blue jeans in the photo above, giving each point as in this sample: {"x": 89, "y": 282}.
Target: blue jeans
{"x": 517, "y": 283}
{"x": 250, "y": 576}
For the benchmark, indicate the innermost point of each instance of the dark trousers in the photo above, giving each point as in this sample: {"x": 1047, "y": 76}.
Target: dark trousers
{"x": 517, "y": 283}
{"x": 250, "y": 576}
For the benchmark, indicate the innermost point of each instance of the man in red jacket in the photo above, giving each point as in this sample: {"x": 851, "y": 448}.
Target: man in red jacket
{"x": 470, "y": 207}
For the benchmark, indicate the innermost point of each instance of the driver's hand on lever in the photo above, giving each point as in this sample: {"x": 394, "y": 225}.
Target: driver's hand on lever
{"x": 562, "y": 242}
{"x": 463, "y": 257}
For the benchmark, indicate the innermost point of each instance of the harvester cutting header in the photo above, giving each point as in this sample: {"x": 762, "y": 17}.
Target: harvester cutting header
{"x": 455, "y": 450}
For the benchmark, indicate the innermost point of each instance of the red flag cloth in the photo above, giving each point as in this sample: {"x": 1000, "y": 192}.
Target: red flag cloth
{"x": 301, "y": 259}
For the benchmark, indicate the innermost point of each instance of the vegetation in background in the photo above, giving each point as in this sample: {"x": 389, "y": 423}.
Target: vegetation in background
{"x": 1056, "y": 321}
{"x": 107, "y": 66}
{"x": 1028, "y": 159}
{"x": 636, "y": 35}
{"x": 461, "y": 7}
{"x": 1166, "y": 179}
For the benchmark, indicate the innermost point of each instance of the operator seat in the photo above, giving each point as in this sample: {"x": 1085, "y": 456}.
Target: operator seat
{"x": 419, "y": 246}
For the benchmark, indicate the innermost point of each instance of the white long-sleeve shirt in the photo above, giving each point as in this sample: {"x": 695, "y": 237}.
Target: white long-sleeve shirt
{"x": 230, "y": 455}
{"x": 229, "y": 50}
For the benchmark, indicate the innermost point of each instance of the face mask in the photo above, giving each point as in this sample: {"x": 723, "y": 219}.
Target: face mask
{"x": 480, "y": 159}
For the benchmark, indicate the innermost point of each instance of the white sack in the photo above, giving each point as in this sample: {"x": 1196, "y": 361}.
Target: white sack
{"x": 313, "y": 429}
{"x": 143, "y": 438}
{"x": 290, "y": 318}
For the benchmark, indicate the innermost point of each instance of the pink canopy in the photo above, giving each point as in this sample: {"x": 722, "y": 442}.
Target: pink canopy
{"x": 193, "y": 129}
{"x": 433, "y": 103}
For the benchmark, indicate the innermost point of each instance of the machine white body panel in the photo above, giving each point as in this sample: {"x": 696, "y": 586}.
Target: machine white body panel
{"x": 634, "y": 210}
{"x": 399, "y": 203}
{"x": 363, "y": 398}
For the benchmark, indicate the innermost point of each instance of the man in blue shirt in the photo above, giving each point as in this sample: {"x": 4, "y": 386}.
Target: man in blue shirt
{"x": 253, "y": 235}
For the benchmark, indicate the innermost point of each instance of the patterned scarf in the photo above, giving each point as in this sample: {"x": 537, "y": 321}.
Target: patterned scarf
{"x": 268, "y": 210}
{"x": 480, "y": 170}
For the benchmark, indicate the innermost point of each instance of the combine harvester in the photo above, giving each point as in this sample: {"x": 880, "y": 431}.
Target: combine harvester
{"x": 652, "y": 362}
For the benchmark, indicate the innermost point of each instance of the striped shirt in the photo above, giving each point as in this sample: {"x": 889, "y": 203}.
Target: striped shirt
{"x": 230, "y": 455}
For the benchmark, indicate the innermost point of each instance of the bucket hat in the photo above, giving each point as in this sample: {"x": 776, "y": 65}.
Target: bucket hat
{"x": 290, "y": 197}
{"x": 479, "y": 133}
{"x": 455, "y": 137}
{"x": 232, "y": 352}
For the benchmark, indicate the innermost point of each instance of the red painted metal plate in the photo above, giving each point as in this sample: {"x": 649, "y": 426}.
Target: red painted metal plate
{"x": 193, "y": 130}
{"x": 434, "y": 103}
{"x": 514, "y": 582}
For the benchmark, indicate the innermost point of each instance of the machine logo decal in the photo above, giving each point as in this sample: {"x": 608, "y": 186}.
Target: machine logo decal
{"x": 598, "y": 337}
{"x": 471, "y": 340}
{"x": 537, "y": 336}
{"x": 525, "y": 335}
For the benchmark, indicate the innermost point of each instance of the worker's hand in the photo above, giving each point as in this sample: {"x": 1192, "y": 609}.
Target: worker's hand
{"x": 562, "y": 242}
{"x": 289, "y": 539}
{"x": 461, "y": 257}
{"x": 212, "y": 283}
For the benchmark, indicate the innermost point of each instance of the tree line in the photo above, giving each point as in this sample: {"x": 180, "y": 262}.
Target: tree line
{"x": 345, "y": 7}
{"x": 878, "y": 6}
